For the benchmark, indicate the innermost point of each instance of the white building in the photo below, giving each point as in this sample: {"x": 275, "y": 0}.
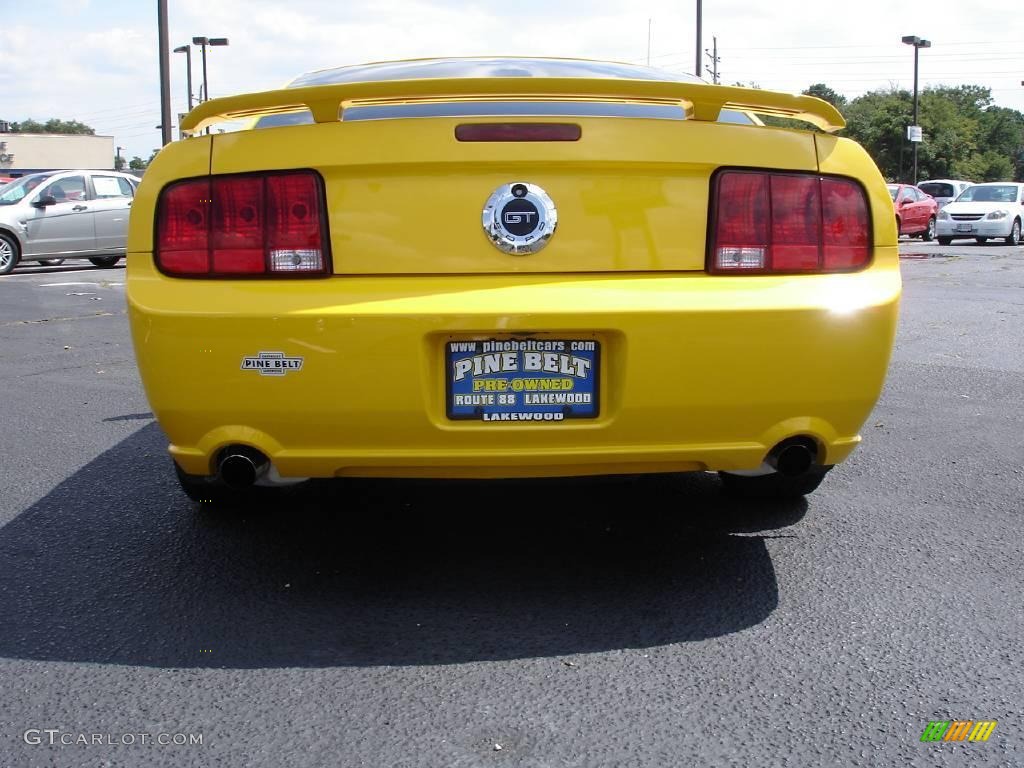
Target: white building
{"x": 27, "y": 152}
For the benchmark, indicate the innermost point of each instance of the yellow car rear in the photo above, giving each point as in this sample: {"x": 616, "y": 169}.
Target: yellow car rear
{"x": 346, "y": 298}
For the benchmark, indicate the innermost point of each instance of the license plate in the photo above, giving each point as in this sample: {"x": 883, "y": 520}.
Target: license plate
{"x": 515, "y": 381}
{"x": 964, "y": 227}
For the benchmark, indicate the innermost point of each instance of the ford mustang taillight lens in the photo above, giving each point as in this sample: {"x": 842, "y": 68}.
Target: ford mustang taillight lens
{"x": 248, "y": 225}
{"x": 787, "y": 222}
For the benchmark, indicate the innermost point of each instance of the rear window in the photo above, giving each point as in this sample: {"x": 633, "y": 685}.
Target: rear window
{"x": 893, "y": 189}
{"x": 938, "y": 189}
{"x": 504, "y": 109}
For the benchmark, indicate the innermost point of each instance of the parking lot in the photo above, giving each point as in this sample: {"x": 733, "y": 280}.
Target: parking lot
{"x": 626, "y": 621}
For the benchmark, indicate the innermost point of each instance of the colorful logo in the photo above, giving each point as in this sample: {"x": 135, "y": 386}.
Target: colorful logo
{"x": 958, "y": 730}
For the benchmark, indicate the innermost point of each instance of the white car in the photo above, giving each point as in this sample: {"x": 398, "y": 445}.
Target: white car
{"x": 984, "y": 211}
{"x": 944, "y": 191}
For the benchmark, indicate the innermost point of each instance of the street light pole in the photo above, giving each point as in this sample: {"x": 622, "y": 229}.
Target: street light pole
{"x": 187, "y": 50}
{"x": 918, "y": 44}
{"x": 117, "y": 162}
{"x": 202, "y": 42}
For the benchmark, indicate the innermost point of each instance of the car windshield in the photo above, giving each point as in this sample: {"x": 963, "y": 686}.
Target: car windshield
{"x": 17, "y": 189}
{"x": 1000, "y": 193}
{"x": 937, "y": 189}
{"x": 893, "y": 190}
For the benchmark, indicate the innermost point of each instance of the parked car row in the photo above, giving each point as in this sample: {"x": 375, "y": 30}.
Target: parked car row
{"x": 947, "y": 209}
{"x": 49, "y": 217}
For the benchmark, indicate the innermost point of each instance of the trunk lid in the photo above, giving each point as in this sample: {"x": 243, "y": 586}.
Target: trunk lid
{"x": 404, "y": 196}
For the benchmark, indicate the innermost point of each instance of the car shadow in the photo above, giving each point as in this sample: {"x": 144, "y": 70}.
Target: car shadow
{"x": 70, "y": 265}
{"x": 115, "y": 566}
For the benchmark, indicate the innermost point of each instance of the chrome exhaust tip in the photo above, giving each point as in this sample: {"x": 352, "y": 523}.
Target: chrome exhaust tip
{"x": 241, "y": 466}
{"x": 793, "y": 457}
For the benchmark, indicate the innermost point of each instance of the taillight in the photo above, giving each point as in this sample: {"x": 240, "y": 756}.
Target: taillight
{"x": 251, "y": 225}
{"x": 787, "y": 222}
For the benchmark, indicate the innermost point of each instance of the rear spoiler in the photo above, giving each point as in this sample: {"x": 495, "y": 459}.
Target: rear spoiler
{"x": 700, "y": 100}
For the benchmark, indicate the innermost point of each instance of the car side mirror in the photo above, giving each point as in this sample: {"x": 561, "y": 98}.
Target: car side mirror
{"x": 904, "y": 201}
{"x": 44, "y": 201}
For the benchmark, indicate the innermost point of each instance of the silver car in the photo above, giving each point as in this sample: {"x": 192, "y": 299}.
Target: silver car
{"x": 49, "y": 217}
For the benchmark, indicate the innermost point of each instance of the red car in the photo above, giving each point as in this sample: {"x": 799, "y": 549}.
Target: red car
{"x": 915, "y": 211}
{"x": 5, "y": 179}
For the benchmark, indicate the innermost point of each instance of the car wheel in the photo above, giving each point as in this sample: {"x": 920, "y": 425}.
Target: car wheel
{"x": 981, "y": 240}
{"x": 1014, "y": 238}
{"x": 105, "y": 261}
{"x": 929, "y": 234}
{"x": 51, "y": 262}
{"x": 945, "y": 240}
{"x": 8, "y": 253}
{"x": 773, "y": 486}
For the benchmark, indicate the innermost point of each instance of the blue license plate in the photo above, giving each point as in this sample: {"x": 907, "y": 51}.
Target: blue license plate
{"x": 515, "y": 381}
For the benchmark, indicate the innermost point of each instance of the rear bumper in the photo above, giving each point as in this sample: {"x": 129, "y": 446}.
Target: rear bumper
{"x": 697, "y": 372}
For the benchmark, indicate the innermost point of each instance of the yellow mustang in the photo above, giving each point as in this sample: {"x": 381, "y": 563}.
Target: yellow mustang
{"x": 511, "y": 268}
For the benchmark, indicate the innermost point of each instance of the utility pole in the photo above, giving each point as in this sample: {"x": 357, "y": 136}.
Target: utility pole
{"x": 713, "y": 55}
{"x": 697, "y": 68}
{"x": 117, "y": 161}
{"x": 165, "y": 72}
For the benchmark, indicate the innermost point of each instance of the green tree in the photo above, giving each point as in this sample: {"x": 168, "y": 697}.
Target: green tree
{"x": 822, "y": 91}
{"x": 119, "y": 163}
{"x": 965, "y": 135}
{"x": 987, "y": 166}
{"x": 878, "y": 120}
{"x": 1001, "y": 130}
{"x": 28, "y": 126}
{"x": 951, "y": 134}
{"x": 136, "y": 163}
{"x": 53, "y": 125}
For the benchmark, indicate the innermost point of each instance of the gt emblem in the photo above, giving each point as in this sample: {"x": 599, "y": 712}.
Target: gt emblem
{"x": 519, "y": 218}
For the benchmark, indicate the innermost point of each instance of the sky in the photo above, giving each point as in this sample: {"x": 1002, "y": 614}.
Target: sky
{"x": 96, "y": 60}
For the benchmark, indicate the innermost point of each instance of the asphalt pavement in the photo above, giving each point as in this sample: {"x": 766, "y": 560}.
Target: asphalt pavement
{"x": 602, "y": 622}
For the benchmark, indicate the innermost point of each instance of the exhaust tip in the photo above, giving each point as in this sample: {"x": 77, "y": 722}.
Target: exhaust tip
{"x": 793, "y": 457}
{"x": 241, "y": 466}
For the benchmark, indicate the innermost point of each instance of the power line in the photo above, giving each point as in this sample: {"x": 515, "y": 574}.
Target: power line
{"x": 864, "y": 45}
